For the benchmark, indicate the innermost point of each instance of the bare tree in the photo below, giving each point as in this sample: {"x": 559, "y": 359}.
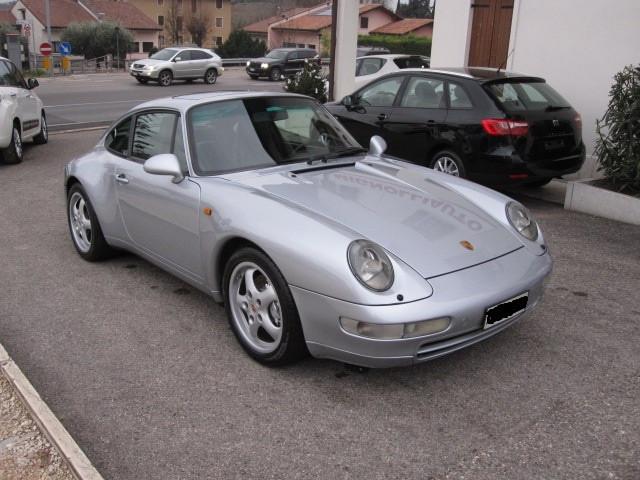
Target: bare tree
{"x": 173, "y": 21}
{"x": 198, "y": 25}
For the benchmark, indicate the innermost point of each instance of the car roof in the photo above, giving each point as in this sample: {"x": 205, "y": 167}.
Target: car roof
{"x": 480, "y": 74}
{"x": 184, "y": 102}
{"x": 291, "y": 49}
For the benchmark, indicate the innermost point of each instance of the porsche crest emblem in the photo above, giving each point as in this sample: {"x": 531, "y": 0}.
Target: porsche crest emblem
{"x": 466, "y": 244}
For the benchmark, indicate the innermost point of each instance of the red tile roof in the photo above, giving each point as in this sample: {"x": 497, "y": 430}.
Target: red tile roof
{"x": 7, "y": 17}
{"x": 125, "y": 13}
{"x": 262, "y": 26}
{"x": 313, "y": 22}
{"x": 63, "y": 12}
{"x": 404, "y": 26}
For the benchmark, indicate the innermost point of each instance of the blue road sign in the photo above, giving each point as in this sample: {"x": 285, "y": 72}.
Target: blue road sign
{"x": 65, "y": 48}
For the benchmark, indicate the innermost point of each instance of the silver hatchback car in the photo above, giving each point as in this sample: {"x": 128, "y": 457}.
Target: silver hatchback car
{"x": 178, "y": 64}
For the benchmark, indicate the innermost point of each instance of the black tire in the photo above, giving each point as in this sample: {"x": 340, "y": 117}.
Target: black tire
{"x": 99, "y": 249}
{"x": 446, "y": 158}
{"x": 165, "y": 78}
{"x": 292, "y": 346}
{"x": 211, "y": 76}
{"x": 42, "y": 137}
{"x": 274, "y": 74}
{"x": 254, "y": 77}
{"x": 541, "y": 182}
{"x": 142, "y": 80}
{"x": 13, "y": 153}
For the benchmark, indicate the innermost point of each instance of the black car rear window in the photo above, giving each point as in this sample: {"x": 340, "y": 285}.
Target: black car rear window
{"x": 526, "y": 95}
{"x": 411, "y": 62}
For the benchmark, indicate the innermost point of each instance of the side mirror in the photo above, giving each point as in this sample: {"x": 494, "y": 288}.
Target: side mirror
{"x": 177, "y": 59}
{"x": 377, "y": 146}
{"x": 347, "y": 101}
{"x": 164, "y": 164}
{"x": 32, "y": 83}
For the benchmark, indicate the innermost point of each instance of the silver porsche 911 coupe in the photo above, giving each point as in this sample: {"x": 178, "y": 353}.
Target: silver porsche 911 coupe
{"x": 315, "y": 245}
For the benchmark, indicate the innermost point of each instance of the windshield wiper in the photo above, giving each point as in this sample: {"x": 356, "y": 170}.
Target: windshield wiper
{"x": 345, "y": 152}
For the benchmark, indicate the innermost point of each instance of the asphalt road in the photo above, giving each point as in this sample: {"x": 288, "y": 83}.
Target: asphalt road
{"x": 146, "y": 375}
{"x": 79, "y": 101}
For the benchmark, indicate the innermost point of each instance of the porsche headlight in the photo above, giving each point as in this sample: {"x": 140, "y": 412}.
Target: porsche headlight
{"x": 370, "y": 265}
{"x": 520, "y": 219}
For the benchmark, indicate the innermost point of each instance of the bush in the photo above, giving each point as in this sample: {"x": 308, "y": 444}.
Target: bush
{"x": 240, "y": 45}
{"x": 93, "y": 39}
{"x": 618, "y": 143}
{"x": 409, "y": 44}
{"x": 309, "y": 81}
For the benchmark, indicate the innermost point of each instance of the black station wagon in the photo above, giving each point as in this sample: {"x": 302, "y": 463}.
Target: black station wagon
{"x": 496, "y": 128}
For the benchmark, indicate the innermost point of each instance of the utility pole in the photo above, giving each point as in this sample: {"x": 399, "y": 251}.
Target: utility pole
{"x": 117, "y": 49}
{"x": 48, "y": 20}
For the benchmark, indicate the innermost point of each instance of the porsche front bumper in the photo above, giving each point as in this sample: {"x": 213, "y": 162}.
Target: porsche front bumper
{"x": 463, "y": 296}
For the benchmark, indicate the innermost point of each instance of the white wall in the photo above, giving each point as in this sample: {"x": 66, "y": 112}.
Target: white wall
{"x": 576, "y": 45}
{"x": 452, "y": 23}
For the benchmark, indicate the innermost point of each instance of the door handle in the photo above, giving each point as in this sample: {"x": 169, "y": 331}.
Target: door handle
{"x": 121, "y": 178}
{"x": 382, "y": 117}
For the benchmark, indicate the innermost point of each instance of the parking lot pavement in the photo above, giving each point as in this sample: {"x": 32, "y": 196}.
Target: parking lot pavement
{"x": 145, "y": 374}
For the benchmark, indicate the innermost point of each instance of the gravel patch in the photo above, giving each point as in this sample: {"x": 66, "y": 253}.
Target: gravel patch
{"x": 25, "y": 453}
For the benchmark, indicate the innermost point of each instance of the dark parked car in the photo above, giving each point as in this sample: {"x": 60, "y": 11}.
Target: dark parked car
{"x": 280, "y": 61}
{"x": 363, "y": 51}
{"x": 492, "y": 127}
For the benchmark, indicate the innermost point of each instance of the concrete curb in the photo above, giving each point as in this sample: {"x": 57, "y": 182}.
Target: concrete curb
{"x": 73, "y": 455}
{"x": 583, "y": 197}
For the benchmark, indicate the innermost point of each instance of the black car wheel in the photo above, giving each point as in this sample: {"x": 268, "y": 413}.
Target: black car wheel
{"x": 448, "y": 162}
{"x": 42, "y": 137}
{"x": 142, "y": 80}
{"x": 165, "y": 78}
{"x": 254, "y": 77}
{"x": 275, "y": 74}
{"x": 261, "y": 309}
{"x": 13, "y": 153}
{"x": 211, "y": 76}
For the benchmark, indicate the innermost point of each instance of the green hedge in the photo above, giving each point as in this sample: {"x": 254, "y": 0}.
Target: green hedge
{"x": 398, "y": 43}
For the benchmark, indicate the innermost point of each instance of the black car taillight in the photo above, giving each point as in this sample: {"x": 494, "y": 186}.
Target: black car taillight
{"x": 578, "y": 121}
{"x": 499, "y": 127}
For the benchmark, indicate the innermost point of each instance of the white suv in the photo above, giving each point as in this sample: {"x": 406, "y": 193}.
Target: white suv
{"x": 21, "y": 113}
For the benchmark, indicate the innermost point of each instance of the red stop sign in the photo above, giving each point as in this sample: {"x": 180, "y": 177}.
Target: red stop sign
{"x": 45, "y": 49}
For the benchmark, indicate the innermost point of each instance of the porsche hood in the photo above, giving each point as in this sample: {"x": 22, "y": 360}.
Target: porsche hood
{"x": 431, "y": 228}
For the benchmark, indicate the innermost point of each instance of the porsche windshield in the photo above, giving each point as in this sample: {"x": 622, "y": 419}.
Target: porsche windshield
{"x": 260, "y": 132}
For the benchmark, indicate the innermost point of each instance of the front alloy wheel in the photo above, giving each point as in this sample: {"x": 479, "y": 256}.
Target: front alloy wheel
{"x": 84, "y": 227}
{"x": 449, "y": 163}
{"x": 274, "y": 76}
{"x": 43, "y": 135}
{"x": 261, "y": 309}
{"x": 165, "y": 78}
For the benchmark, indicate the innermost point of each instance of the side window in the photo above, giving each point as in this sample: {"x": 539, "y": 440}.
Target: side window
{"x": 199, "y": 55}
{"x": 370, "y": 66}
{"x": 178, "y": 148}
{"x": 19, "y": 78}
{"x": 184, "y": 55}
{"x": 381, "y": 94}
{"x": 152, "y": 134}
{"x": 424, "y": 92}
{"x": 458, "y": 97}
{"x": 10, "y": 75}
{"x": 117, "y": 140}
{"x": 5, "y": 75}
{"x": 358, "y": 64}
{"x": 293, "y": 56}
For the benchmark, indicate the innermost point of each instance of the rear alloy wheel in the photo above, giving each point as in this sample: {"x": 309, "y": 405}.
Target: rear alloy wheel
{"x": 42, "y": 137}
{"x": 449, "y": 163}
{"x": 275, "y": 74}
{"x": 84, "y": 227}
{"x": 165, "y": 78}
{"x": 13, "y": 153}
{"x": 143, "y": 80}
{"x": 261, "y": 309}
{"x": 211, "y": 76}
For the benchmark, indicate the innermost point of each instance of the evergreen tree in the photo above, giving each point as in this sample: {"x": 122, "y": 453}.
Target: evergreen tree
{"x": 310, "y": 81}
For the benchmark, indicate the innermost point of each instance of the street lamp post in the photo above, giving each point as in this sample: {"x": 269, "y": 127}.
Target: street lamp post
{"x": 117, "y": 48}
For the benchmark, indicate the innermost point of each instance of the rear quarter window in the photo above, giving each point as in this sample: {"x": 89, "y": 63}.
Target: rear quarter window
{"x": 523, "y": 96}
